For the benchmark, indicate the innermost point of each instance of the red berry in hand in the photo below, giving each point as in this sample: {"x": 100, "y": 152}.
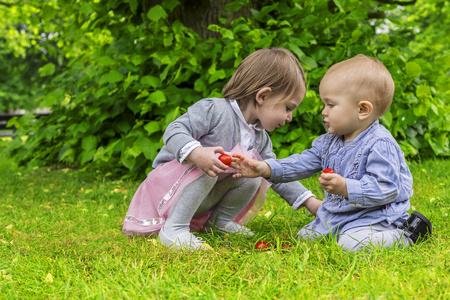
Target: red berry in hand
{"x": 328, "y": 170}
{"x": 226, "y": 159}
{"x": 261, "y": 245}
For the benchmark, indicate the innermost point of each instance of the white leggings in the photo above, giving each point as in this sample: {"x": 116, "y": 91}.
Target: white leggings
{"x": 366, "y": 237}
{"x": 226, "y": 198}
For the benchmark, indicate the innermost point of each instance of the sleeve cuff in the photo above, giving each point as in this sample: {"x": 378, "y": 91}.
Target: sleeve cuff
{"x": 276, "y": 170}
{"x": 187, "y": 149}
{"x": 302, "y": 198}
{"x": 354, "y": 192}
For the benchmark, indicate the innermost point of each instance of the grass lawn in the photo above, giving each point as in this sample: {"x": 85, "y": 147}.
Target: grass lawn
{"x": 60, "y": 237}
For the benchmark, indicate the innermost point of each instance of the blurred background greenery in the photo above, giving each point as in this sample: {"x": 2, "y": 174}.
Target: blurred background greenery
{"x": 116, "y": 73}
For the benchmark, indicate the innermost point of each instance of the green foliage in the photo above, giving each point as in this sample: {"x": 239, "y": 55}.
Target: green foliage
{"x": 28, "y": 41}
{"x": 131, "y": 71}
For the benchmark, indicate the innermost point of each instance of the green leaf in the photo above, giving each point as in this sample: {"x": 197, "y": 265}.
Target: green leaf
{"x": 413, "y": 69}
{"x": 128, "y": 160}
{"x": 226, "y": 33}
{"x": 123, "y": 125}
{"x": 147, "y": 146}
{"x": 156, "y": 12}
{"x": 157, "y": 97}
{"x": 236, "y": 5}
{"x": 339, "y": 5}
{"x": 89, "y": 142}
{"x": 387, "y": 119}
{"x": 82, "y": 127}
{"x": 152, "y": 127}
{"x": 170, "y": 4}
{"x": 66, "y": 154}
{"x": 47, "y": 70}
{"x": 220, "y": 74}
{"x": 384, "y": 38}
{"x": 86, "y": 9}
{"x": 133, "y": 5}
{"x": 423, "y": 91}
{"x": 395, "y": 21}
{"x": 53, "y": 97}
{"x": 106, "y": 61}
{"x": 355, "y": 35}
{"x": 283, "y": 153}
{"x": 129, "y": 80}
{"x": 309, "y": 62}
{"x": 111, "y": 77}
{"x": 48, "y": 12}
{"x": 87, "y": 155}
{"x": 199, "y": 85}
{"x": 101, "y": 92}
{"x": 152, "y": 81}
{"x": 266, "y": 41}
{"x": 421, "y": 109}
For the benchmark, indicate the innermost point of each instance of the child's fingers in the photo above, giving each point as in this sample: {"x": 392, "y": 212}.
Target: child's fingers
{"x": 327, "y": 176}
{"x": 218, "y": 149}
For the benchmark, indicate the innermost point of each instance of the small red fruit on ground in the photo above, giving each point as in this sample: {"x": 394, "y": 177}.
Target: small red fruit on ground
{"x": 226, "y": 159}
{"x": 261, "y": 245}
{"x": 328, "y": 170}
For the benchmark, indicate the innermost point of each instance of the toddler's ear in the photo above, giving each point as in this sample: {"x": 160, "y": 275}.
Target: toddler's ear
{"x": 365, "y": 109}
{"x": 262, "y": 94}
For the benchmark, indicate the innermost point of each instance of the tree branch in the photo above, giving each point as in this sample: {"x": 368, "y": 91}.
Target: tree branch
{"x": 6, "y": 4}
{"x": 402, "y": 3}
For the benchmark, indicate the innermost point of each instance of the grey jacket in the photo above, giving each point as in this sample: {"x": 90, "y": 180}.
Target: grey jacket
{"x": 213, "y": 122}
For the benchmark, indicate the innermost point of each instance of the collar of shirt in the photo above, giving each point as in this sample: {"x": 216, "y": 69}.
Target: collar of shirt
{"x": 238, "y": 112}
{"x": 247, "y": 131}
{"x": 357, "y": 140}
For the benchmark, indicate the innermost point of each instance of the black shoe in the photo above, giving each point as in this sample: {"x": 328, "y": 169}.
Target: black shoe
{"x": 417, "y": 227}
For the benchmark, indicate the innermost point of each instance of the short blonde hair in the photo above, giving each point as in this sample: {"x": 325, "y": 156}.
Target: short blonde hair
{"x": 367, "y": 79}
{"x": 276, "y": 68}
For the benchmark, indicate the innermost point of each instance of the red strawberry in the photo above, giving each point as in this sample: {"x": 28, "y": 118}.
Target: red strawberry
{"x": 328, "y": 170}
{"x": 226, "y": 159}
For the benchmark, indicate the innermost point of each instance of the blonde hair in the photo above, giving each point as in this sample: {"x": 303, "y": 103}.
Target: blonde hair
{"x": 276, "y": 68}
{"x": 367, "y": 79}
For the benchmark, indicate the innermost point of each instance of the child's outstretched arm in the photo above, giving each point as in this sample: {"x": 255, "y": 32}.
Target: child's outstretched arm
{"x": 334, "y": 184}
{"x": 250, "y": 167}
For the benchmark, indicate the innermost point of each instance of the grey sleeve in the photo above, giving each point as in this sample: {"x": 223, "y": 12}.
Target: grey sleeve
{"x": 294, "y": 193}
{"x": 189, "y": 127}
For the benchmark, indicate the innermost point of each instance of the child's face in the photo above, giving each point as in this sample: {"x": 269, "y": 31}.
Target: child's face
{"x": 341, "y": 111}
{"x": 273, "y": 114}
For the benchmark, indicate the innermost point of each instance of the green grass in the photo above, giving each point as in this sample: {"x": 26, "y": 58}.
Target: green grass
{"x": 60, "y": 237}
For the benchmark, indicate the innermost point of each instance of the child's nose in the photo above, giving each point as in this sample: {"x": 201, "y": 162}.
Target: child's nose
{"x": 289, "y": 118}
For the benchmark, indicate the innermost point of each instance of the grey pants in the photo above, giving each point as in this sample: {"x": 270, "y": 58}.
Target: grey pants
{"x": 367, "y": 237}
{"x": 226, "y": 198}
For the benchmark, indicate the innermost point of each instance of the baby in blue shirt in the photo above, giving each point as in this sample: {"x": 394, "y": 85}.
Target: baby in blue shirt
{"x": 367, "y": 194}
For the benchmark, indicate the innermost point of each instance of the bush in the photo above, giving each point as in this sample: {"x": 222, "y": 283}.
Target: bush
{"x": 138, "y": 71}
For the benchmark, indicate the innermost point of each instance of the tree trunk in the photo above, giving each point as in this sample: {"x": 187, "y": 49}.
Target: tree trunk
{"x": 199, "y": 14}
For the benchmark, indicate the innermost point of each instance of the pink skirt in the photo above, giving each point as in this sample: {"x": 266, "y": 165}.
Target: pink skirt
{"x": 154, "y": 198}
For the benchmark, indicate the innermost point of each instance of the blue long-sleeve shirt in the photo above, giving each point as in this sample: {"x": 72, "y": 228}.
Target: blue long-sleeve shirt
{"x": 379, "y": 182}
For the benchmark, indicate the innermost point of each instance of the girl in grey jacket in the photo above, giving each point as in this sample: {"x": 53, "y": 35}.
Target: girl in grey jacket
{"x": 190, "y": 188}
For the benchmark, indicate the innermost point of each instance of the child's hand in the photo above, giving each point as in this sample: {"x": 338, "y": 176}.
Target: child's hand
{"x": 250, "y": 167}
{"x": 206, "y": 159}
{"x": 334, "y": 184}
